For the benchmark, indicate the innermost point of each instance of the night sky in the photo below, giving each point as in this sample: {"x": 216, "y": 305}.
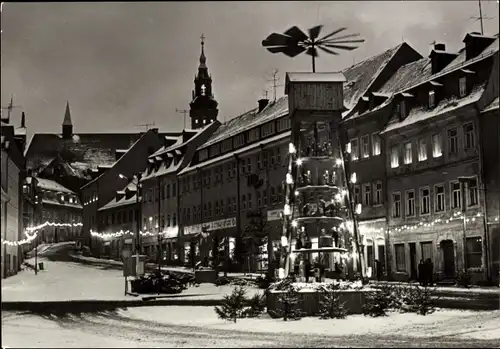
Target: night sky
{"x": 125, "y": 64}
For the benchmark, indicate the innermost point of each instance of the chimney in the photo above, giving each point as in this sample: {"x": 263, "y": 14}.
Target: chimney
{"x": 440, "y": 58}
{"x": 440, "y": 47}
{"x": 23, "y": 120}
{"x": 475, "y": 43}
{"x": 263, "y": 103}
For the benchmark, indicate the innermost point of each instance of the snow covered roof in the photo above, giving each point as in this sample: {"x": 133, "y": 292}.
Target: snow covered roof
{"x": 407, "y": 75}
{"x": 313, "y": 77}
{"x": 359, "y": 78}
{"x": 492, "y": 106}
{"x": 192, "y": 167}
{"x": 58, "y": 203}
{"x": 422, "y": 113}
{"x": 49, "y": 184}
{"x": 123, "y": 201}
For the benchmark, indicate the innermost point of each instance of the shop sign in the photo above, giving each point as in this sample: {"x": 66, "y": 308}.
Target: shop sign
{"x": 210, "y": 226}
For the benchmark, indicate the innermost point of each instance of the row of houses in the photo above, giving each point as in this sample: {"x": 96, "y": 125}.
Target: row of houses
{"x": 423, "y": 138}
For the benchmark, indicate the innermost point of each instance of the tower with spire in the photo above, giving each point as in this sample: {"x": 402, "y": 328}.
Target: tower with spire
{"x": 203, "y": 107}
{"x": 67, "y": 125}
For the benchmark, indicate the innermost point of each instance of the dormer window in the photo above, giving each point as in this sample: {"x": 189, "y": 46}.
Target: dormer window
{"x": 402, "y": 109}
{"x": 462, "y": 86}
{"x": 432, "y": 99}
{"x": 196, "y": 121}
{"x": 204, "y": 122}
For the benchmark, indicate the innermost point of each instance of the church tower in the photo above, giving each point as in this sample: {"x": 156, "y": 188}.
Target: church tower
{"x": 67, "y": 125}
{"x": 203, "y": 107}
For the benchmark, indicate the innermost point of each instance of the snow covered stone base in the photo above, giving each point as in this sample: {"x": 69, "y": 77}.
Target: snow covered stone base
{"x": 309, "y": 301}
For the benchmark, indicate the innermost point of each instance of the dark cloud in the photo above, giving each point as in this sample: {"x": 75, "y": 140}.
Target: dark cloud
{"x": 124, "y": 64}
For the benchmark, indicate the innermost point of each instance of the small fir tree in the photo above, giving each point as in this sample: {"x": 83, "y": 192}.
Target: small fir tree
{"x": 257, "y": 305}
{"x": 422, "y": 300}
{"x": 233, "y": 305}
{"x": 289, "y": 300}
{"x": 330, "y": 305}
{"x": 378, "y": 302}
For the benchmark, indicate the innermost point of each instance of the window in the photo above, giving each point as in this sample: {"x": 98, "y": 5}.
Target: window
{"x": 455, "y": 195}
{"x": 174, "y": 220}
{"x": 408, "y": 159}
{"x": 432, "y": 99}
{"x": 394, "y": 157}
{"x": 273, "y": 195}
{"x": 188, "y": 214}
{"x": 259, "y": 200}
{"x": 229, "y": 206}
{"x": 167, "y": 189}
{"x": 229, "y": 170}
{"x": 402, "y": 109}
{"x": 425, "y": 201}
{"x": 253, "y": 135}
{"x": 452, "y": 141}
{"x": 474, "y": 252}
{"x": 259, "y": 164}
{"x": 357, "y": 194}
{"x": 462, "y": 86}
{"x": 203, "y": 154}
{"x": 268, "y": 129}
{"x": 249, "y": 165}
{"x": 426, "y": 248}
{"x": 365, "y": 146}
{"x": 376, "y": 144}
{"x": 377, "y": 197}
{"x": 410, "y": 203}
{"x": 367, "y": 194}
{"x": 264, "y": 197}
{"x": 472, "y": 192}
{"x": 264, "y": 159}
{"x": 278, "y": 157}
{"x": 436, "y": 145}
{"x": 396, "y": 205}
{"x": 469, "y": 136}
{"x": 280, "y": 194}
{"x": 354, "y": 149}
{"x": 249, "y": 201}
{"x": 168, "y": 220}
{"x": 243, "y": 202}
{"x": 238, "y": 140}
{"x": 439, "y": 204}
{"x": 216, "y": 208}
{"x": 226, "y": 146}
{"x": 215, "y": 150}
{"x": 273, "y": 159}
{"x": 422, "y": 150}
{"x": 221, "y": 207}
{"x": 399, "y": 250}
{"x": 209, "y": 209}
{"x": 234, "y": 204}
{"x": 284, "y": 124}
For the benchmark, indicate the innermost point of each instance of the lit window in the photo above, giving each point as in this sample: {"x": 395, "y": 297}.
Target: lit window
{"x": 425, "y": 203}
{"x": 439, "y": 198}
{"x": 469, "y": 135}
{"x": 408, "y": 154}
{"x": 422, "y": 150}
{"x": 462, "y": 86}
{"x": 410, "y": 203}
{"x": 365, "y": 146}
{"x": 456, "y": 195}
{"x": 354, "y": 149}
{"x": 376, "y": 144}
{"x": 432, "y": 99}
{"x": 436, "y": 146}
{"x": 394, "y": 157}
{"x": 396, "y": 205}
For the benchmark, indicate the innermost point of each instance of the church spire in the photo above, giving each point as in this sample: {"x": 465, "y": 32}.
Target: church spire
{"x": 203, "y": 59}
{"x": 203, "y": 107}
{"x": 67, "y": 125}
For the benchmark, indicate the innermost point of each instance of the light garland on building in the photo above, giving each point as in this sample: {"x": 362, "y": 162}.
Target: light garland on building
{"x": 34, "y": 230}
{"x": 166, "y": 233}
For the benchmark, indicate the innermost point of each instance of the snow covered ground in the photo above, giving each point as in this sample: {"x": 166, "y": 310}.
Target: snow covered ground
{"x": 73, "y": 281}
{"x": 200, "y": 327}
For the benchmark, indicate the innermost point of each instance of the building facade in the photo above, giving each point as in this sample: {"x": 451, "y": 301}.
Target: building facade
{"x": 12, "y": 176}
{"x": 422, "y": 121}
{"x": 59, "y": 205}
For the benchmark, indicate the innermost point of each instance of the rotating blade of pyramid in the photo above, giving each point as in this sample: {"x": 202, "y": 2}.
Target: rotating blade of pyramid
{"x": 296, "y": 34}
{"x": 314, "y": 32}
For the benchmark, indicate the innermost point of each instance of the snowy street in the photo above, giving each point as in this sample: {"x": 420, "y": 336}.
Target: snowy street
{"x": 200, "y": 327}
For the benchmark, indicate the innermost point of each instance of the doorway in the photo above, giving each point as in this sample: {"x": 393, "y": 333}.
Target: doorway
{"x": 381, "y": 258}
{"x": 413, "y": 261}
{"x": 448, "y": 258}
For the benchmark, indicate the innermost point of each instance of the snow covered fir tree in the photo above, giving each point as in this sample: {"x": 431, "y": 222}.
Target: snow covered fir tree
{"x": 320, "y": 235}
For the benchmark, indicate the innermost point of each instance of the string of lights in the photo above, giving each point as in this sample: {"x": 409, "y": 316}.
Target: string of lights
{"x": 34, "y": 232}
{"x": 104, "y": 236}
